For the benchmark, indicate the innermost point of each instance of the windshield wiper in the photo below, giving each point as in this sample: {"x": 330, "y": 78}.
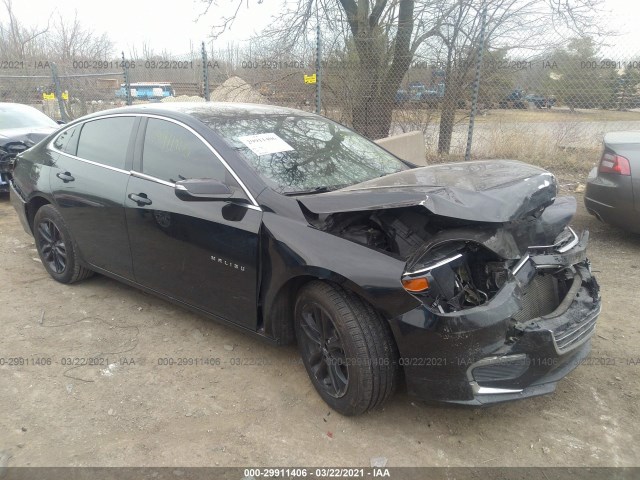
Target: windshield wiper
{"x": 309, "y": 191}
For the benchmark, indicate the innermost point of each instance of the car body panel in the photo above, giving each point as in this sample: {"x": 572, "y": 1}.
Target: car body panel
{"x": 241, "y": 259}
{"x": 296, "y": 250}
{"x": 90, "y": 197}
{"x": 613, "y": 198}
{"x": 28, "y": 136}
{"x": 442, "y": 350}
{"x": 16, "y": 139}
{"x": 480, "y": 191}
{"x": 204, "y": 253}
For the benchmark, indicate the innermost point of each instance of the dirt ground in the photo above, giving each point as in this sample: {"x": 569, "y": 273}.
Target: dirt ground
{"x": 253, "y": 405}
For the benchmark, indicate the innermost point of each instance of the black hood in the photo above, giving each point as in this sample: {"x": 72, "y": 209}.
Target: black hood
{"x": 484, "y": 191}
{"x": 28, "y": 135}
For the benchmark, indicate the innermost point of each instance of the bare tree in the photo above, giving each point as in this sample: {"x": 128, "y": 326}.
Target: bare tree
{"x": 69, "y": 40}
{"x": 522, "y": 26}
{"x": 61, "y": 39}
{"x": 17, "y": 40}
{"x": 382, "y": 37}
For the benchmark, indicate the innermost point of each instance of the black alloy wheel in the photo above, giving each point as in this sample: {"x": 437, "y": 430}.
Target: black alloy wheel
{"x": 55, "y": 245}
{"x": 54, "y": 251}
{"x": 324, "y": 351}
{"x": 346, "y": 346}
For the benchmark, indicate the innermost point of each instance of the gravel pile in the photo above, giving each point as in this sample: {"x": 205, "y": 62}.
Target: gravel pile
{"x": 236, "y": 90}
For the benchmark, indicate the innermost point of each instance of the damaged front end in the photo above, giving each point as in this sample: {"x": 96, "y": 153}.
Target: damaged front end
{"x": 8, "y": 153}
{"x": 499, "y": 329}
{"x": 507, "y": 300}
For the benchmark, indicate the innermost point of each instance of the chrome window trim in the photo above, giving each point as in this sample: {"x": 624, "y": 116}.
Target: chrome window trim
{"x": 254, "y": 204}
{"x": 51, "y": 144}
{"x": 213, "y": 150}
{"x": 144, "y": 176}
{"x": 91, "y": 162}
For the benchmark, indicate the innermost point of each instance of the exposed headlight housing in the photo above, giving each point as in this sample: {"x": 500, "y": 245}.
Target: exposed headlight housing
{"x": 455, "y": 276}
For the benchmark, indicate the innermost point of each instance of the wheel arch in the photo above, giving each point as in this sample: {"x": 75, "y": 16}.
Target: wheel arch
{"x": 34, "y": 204}
{"x": 278, "y": 316}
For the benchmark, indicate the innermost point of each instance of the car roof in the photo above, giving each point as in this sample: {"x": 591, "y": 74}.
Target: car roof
{"x": 618, "y": 138}
{"x": 18, "y": 106}
{"x": 205, "y": 109}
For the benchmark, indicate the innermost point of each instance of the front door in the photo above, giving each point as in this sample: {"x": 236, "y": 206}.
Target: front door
{"x": 204, "y": 253}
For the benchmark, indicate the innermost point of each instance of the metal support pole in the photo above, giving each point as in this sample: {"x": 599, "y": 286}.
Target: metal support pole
{"x": 476, "y": 86}
{"x": 318, "y": 71}
{"x": 205, "y": 73}
{"x": 127, "y": 81}
{"x": 58, "y": 91}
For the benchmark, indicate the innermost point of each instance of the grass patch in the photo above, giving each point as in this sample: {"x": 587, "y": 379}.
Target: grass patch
{"x": 570, "y": 164}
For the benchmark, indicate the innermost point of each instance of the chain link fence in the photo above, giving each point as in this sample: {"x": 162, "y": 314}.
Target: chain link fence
{"x": 548, "y": 107}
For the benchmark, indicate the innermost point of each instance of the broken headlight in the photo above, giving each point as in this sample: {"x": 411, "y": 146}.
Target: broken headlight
{"x": 455, "y": 276}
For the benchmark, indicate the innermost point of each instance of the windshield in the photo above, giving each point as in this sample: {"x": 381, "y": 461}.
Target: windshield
{"x": 298, "y": 153}
{"x": 21, "y": 116}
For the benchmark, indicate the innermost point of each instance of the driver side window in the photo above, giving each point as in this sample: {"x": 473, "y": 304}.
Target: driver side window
{"x": 172, "y": 153}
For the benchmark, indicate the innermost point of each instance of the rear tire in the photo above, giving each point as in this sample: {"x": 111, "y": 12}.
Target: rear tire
{"x": 56, "y": 248}
{"x": 346, "y": 347}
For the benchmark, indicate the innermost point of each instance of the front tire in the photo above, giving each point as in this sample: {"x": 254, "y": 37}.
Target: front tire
{"x": 346, "y": 347}
{"x": 56, "y": 247}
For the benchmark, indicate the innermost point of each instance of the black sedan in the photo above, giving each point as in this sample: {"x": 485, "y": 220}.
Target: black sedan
{"x": 613, "y": 187}
{"x": 21, "y": 127}
{"x": 464, "y": 277}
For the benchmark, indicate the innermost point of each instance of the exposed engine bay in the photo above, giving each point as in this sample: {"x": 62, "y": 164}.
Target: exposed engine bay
{"x": 461, "y": 260}
{"x": 461, "y": 229}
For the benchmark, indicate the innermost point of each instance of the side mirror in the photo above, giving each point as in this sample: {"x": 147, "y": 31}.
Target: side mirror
{"x": 195, "y": 189}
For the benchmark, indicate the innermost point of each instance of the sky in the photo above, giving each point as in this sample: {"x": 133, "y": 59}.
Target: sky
{"x": 172, "y": 26}
{"x": 162, "y": 24}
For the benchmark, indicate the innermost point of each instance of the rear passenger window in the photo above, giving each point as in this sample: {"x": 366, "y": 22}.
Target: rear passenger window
{"x": 172, "y": 153}
{"x": 67, "y": 141}
{"x": 106, "y": 140}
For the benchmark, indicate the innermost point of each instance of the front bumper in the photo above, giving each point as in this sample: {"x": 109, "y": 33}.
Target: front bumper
{"x": 505, "y": 349}
{"x": 6, "y": 167}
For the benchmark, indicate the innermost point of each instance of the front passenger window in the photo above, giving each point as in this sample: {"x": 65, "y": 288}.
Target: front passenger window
{"x": 172, "y": 153}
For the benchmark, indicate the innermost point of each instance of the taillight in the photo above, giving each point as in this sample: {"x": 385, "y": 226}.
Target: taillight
{"x": 612, "y": 163}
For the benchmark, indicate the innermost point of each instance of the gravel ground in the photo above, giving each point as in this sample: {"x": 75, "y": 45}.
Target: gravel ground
{"x": 256, "y": 407}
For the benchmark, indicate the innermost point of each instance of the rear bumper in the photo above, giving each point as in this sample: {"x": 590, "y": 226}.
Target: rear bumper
{"x": 491, "y": 353}
{"x": 610, "y": 199}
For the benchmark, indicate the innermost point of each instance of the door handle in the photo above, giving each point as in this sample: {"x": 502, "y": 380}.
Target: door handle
{"x": 141, "y": 199}
{"x": 66, "y": 177}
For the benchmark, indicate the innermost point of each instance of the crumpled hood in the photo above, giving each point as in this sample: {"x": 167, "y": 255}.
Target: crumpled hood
{"x": 29, "y": 136}
{"x": 482, "y": 191}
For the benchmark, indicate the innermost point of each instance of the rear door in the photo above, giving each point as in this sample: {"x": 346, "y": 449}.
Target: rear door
{"x": 204, "y": 253}
{"x": 89, "y": 181}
